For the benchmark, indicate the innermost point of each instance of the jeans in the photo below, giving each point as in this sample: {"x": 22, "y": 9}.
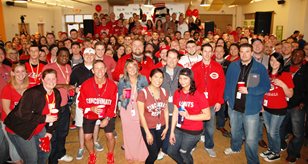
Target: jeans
{"x": 261, "y": 126}
{"x": 297, "y": 118}
{"x": 156, "y": 146}
{"x": 180, "y": 151}
{"x": 245, "y": 125}
{"x": 59, "y": 135}
{"x": 220, "y": 122}
{"x": 272, "y": 123}
{"x": 29, "y": 150}
{"x": 4, "y": 147}
{"x": 166, "y": 140}
{"x": 209, "y": 127}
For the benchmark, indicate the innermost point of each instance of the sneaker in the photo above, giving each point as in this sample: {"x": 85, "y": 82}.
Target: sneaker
{"x": 72, "y": 127}
{"x": 192, "y": 150}
{"x": 110, "y": 158}
{"x": 211, "y": 152}
{"x": 265, "y": 154}
{"x": 80, "y": 154}
{"x": 224, "y": 132}
{"x": 66, "y": 158}
{"x": 115, "y": 134}
{"x": 202, "y": 138}
{"x": 272, "y": 157}
{"x": 98, "y": 147}
{"x": 229, "y": 151}
{"x": 160, "y": 155}
{"x": 92, "y": 159}
{"x": 283, "y": 148}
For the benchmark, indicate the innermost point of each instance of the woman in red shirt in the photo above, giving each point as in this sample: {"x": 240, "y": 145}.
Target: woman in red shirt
{"x": 234, "y": 53}
{"x": 152, "y": 105}
{"x": 275, "y": 104}
{"x": 190, "y": 109}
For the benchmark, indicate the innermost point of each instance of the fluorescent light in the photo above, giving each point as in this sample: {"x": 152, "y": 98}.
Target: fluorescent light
{"x": 205, "y": 3}
{"x": 20, "y": 1}
{"x": 148, "y": 3}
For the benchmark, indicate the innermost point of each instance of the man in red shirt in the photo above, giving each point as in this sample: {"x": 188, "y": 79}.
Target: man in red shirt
{"x": 100, "y": 55}
{"x": 104, "y": 27}
{"x": 210, "y": 80}
{"x": 98, "y": 98}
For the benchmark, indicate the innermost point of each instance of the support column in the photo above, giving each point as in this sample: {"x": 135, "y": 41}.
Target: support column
{"x": 2, "y": 29}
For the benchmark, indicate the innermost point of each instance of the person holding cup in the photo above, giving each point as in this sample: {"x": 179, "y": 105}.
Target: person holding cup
{"x": 128, "y": 87}
{"x": 28, "y": 119}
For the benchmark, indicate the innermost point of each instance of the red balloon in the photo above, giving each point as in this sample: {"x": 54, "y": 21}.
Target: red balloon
{"x": 195, "y": 12}
{"x": 188, "y": 12}
{"x": 98, "y": 8}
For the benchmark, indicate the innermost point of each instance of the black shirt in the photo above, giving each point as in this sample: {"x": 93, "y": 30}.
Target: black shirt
{"x": 80, "y": 73}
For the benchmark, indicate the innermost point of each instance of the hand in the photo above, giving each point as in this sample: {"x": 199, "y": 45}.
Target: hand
{"x": 77, "y": 89}
{"x": 104, "y": 123}
{"x": 243, "y": 90}
{"x": 149, "y": 139}
{"x": 50, "y": 118}
{"x": 48, "y": 135}
{"x": 184, "y": 114}
{"x": 279, "y": 83}
{"x": 96, "y": 110}
{"x": 217, "y": 107}
{"x": 163, "y": 134}
{"x": 172, "y": 139}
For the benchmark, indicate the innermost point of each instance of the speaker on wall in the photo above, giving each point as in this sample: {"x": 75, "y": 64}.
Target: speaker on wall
{"x": 208, "y": 26}
{"x": 263, "y": 22}
{"x": 88, "y": 25}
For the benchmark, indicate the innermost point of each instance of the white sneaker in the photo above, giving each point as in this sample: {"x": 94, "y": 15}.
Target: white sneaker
{"x": 202, "y": 138}
{"x": 98, "y": 146}
{"x": 160, "y": 155}
{"x": 211, "y": 152}
{"x": 229, "y": 151}
{"x": 66, "y": 158}
{"x": 192, "y": 150}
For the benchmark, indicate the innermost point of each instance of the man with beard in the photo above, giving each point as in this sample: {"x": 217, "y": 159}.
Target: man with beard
{"x": 145, "y": 64}
{"x": 188, "y": 60}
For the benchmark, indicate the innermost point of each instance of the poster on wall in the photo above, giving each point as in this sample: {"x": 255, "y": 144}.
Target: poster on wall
{"x": 279, "y": 32}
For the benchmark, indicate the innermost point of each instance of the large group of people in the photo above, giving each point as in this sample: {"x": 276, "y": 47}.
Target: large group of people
{"x": 167, "y": 81}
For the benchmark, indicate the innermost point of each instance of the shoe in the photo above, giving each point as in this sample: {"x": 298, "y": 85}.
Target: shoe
{"x": 80, "y": 154}
{"x": 192, "y": 150}
{"x": 202, "y": 138}
{"x": 272, "y": 157}
{"x": 110, "y": 158}
{"x": 211, "y": 152}
{"x": 283, "y": 148}
{"x": 92, "y": 159}
{"x": 229, "y": 151}
{"x": 291, "y": 159}
{"x": 224, "y": 132}
{"x": 265, "y": 154}
{"x": 66, "y": 158}
{"x": 262, "y": 143}
{"x": 98, "y": 147}
{"x": 122, "y": 147}
{"x": 160, "y": 155}
{"x": 73, "y": 127}
{"x": 115, "y": 134}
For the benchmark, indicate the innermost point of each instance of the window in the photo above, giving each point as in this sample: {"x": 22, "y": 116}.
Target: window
{"x": 75, "y": 21}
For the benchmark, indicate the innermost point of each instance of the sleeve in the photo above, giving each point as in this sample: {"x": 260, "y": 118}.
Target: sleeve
{"x": 141, "y": 96}
{"x": 6, "y": 93}
{"x": 203, "y": 104}
{"x": 176, "y": 98}
{"x": 82, "y": 97}
{"x": 118, "y": 70}
{"x": 111, "y": 111}
{"x": 288, "y": 80}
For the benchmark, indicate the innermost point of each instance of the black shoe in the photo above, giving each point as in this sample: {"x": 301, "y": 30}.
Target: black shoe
{"x": 224, "y": 132}
{"x": 291, "y": 159}
{"x": 262, "y": 143}
{"x": 272, "y": 157}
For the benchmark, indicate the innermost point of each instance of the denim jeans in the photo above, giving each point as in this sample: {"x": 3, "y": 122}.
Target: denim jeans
{"x": 29, "y": 150}
{"x": 4, "y": 147}
{"x": 59, "y": 136}
{"x": 166, "y": 140}
{"x": 261, "y": 126}
{"x": 272, "y": 123}
{"x": 209, "y": 127}
{"x": 295, "y": 117}
{"x": 180, "y": 151}
{"x": 156, "y": 146}
{"x": 245, "y": 125}
{"x": 220, "y": 122}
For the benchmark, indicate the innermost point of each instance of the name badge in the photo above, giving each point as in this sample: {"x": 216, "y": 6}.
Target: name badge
{"x": 170, "y": 99}
{"x": 133, "y": 112}
{"x": 238, "y": 95}
{"x": 206, "y": 95}
{"x": 265, "y": 102}
{"x": 178, "y": 125}
{"x": 158, "y": 126}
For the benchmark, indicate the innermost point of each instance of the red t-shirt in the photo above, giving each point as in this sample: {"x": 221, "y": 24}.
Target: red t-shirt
{"x": 105, "y": 29}
{"x": 193, "y": 105}
{"x": 276, "y": 98}
{"x": 34, "y": 73}
{"x": 153, "y": 109}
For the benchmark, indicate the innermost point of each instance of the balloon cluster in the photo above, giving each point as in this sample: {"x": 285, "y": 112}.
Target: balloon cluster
{"x": 194, "y": 12}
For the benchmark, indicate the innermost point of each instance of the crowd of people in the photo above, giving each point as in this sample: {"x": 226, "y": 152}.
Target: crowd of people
{"x": 167, "y": 81}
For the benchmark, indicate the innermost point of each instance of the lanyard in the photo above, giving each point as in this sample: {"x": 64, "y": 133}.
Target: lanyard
{"x": 97, "y": 89}
{"x": 34, "y": 75}
{"x": 53, "y": 98}
{"x": 66, "y": 71}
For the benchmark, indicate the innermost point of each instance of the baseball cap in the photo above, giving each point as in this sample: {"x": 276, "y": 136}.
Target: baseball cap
{"x": 89, "y": 51}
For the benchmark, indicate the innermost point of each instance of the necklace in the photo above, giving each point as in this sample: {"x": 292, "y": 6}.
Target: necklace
{"x": 64, "y": 75}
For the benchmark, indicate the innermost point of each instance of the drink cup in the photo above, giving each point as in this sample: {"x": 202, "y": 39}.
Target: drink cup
{"x": 54, "y": 112}
{"x": 101, "y": 114}
{"x": 127, "y": 93}
{"x": 240, "y": 84}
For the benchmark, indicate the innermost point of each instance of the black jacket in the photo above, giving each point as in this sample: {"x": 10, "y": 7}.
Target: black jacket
{"x": 27, "y": 114}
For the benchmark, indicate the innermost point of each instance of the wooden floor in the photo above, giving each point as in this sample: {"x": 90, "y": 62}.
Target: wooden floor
{"x": 199, "y": 155}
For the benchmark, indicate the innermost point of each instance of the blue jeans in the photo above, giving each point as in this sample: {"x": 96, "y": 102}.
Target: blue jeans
{"x": 295, "y": 117}
{"x": 261, "y": 126}
{"x": 245, "y": 125}
{"x": 4, "y": 147}
{"x": 166, "y": 140}
{"x": 59, "y": 136}
{"x": 29, "y": 150}
{"x": 220, "y": 122}
{"x": 209, "y": 127}
{"x": 156, "y": 146}
{"x": 180, "y": 151}
{"x": 272, "y": 123}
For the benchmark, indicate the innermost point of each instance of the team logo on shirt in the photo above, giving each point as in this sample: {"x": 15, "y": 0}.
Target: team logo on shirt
{"x": 214, "y": 75}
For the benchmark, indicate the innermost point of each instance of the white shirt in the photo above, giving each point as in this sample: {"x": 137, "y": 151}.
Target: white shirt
{"x": 188, "y": 61}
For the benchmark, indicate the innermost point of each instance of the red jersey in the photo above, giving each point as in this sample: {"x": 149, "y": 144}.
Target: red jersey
{"x": 117, "y": 30}
{"x": 34, "y": 73}
{"x": 145, "y": 67}
{"x": 153, "y": 109}
{"x": 210, "y": 80}
{"x": 10, "y": 93}
{"x": 105, "y": 29}
{"x": 91, "y": 95}
{"x": 276, "y": 98}
{"x": 193, "y": 106}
